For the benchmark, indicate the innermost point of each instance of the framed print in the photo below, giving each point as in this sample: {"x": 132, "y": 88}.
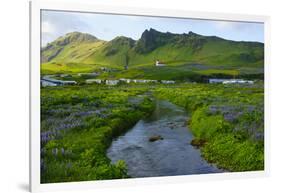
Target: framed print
{"x": 123, "y": 96}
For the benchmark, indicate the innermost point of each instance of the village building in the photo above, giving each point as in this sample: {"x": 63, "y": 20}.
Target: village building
{"x": 230, "y": 81}
{"x": 90, "y": 81}
{"x": 216, "y": 80}
{"x": 168, "y": 81}
{"x": 238, "y": 81}
{"x": 68, "y": 82}
{"x": 159, "y": 64}
{"x": 105, "y": 69}
{"x": 111, "y": 82}
{"x": 125, "y": 80}
{"x": 54, "y": 82}
{"x": 45, "y": 83}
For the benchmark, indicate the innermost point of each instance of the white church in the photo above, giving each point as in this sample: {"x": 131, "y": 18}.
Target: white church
{"x": 158, "y": 63}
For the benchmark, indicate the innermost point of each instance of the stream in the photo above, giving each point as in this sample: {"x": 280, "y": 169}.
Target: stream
{"x": 173, "y": 155}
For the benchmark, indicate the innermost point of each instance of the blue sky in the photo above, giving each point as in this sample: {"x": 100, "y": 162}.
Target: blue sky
{"x": 107, "y": 26}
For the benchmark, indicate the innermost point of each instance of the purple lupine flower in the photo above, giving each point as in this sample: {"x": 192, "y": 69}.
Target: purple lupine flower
{"x": 55, "y": 151}
{"x": 62, "y": 151}
{"x": 68, "y": 165}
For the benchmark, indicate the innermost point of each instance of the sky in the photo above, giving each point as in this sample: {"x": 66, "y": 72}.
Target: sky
{"x": 107, "y": 26}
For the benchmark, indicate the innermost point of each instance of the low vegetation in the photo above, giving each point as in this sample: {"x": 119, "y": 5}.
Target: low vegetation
{"x": 226, "y": 120}
{"x": 78, "y": 124}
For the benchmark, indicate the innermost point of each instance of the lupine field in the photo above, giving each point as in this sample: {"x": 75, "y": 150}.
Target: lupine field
{"x": 77, "y": 126}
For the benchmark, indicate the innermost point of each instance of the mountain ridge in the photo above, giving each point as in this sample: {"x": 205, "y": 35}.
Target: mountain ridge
{"x": 83, "y": 48}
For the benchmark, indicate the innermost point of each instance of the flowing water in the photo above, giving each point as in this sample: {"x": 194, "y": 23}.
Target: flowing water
{"x": 173, "y": 155}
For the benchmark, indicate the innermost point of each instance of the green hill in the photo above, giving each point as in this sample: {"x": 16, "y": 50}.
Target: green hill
{"x": 80, "y": 52}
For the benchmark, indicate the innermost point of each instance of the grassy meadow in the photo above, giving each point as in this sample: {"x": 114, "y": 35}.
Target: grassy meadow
{"x": 78, "y": 124}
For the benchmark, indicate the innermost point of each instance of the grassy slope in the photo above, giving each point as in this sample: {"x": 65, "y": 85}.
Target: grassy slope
{"x": 215, "y": 52}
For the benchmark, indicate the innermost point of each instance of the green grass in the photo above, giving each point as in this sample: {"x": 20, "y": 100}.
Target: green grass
{"x": 230, "y": 144}
{"x": 59, "y": 68}
{"x": 82, "y": 121}
{"x": 219, "y": 71}
{"x": 172, "y": 49}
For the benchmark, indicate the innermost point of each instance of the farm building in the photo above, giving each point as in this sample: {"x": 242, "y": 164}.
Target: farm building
{"x": 125, "y": 80}
{"x": 168, "y": 81}
{"x": 54, "y": 82}
{"x": 45, "y": 83}
{"x": 111, "y": 82}
{"x": 90, "y": 81}
{"x": 238, "y": 81}
{"x": 230, "y": 81}
{"x": 217, "y": 80}
{"x": 159, "y": 64}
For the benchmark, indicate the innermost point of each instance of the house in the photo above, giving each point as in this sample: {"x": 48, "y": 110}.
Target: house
{"x": 217, "y": 80}
{"x": 168, "y": 81}
{"x": 111, "y": 82}
{"x": 159, "y": 64}
{"x": 140, "y": 81}
{"x": 105, "y": 69}
{"x": 230, "y": 81}
{"x": 68, "y": 82}
{"x": 90, "y": 81}
{"x": 238, "y": 81}
{"x": 152, "y": 81}
{"x": 125, "y": 80}
{"x": 47, "y": 81}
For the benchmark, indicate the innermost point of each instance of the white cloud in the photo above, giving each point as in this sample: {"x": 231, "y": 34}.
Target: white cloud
{"x": 47, "y": 27}
{"x": 107, "y": 26}
{"x": 55, "y": 24}
{"x": 232, "y": 25}
{"x": 225, "y": 25}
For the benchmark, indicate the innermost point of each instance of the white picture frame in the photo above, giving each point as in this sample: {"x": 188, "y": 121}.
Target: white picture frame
{"x": 35, "y": 39}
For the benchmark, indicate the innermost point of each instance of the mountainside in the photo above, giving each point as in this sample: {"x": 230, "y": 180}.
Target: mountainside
{"x": 86, "y": 50}
{"x": 72, "y": 47}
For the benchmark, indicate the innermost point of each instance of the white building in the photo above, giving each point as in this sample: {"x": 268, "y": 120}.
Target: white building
{"x": 111, "y": 82}
{"x": 238, "y": 81}
{"x": 217, "y": 80}
{"x": 168, "y": 81}
{"x": 159, "y": 64}
{"x": 90, "y": 81}
{"x": 47, "y": 81}
{"x": 125, "y": 80}
{"x": 68, "y": 82}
